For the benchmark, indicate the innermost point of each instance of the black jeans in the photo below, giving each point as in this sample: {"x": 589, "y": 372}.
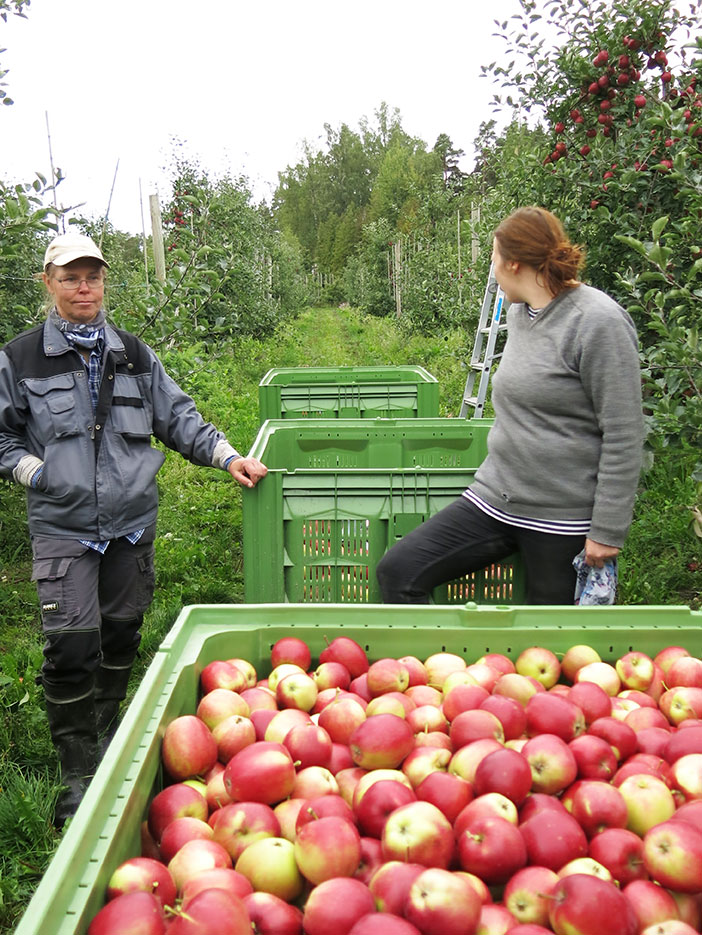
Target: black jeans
{"x": 461, "y": 539}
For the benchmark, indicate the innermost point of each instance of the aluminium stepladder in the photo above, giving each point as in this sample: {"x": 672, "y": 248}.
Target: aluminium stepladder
{"x": 490, "y": 325}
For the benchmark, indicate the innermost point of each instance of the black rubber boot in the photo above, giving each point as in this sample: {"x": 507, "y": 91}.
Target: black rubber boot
{"x": 110, "y": 690}
{"x": 74, "y": 734}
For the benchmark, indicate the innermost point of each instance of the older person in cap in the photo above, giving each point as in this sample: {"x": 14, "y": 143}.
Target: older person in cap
{"x": 80, "y": 401}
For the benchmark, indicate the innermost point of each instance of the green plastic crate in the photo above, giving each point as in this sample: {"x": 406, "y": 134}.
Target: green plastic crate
{"x": 106, "y": 828}
{"x": 348, "y": 392}
{"x": 339, "y": 493}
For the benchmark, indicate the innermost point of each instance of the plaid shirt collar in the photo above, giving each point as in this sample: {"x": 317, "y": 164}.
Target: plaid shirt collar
{"x": 94, "y": 341}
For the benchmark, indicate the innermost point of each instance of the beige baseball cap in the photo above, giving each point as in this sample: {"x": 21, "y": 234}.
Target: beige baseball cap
{"x": 72, "y": 246}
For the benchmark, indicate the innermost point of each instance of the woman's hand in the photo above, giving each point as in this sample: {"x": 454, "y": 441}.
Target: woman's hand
{"x": 247, "y": 471}
{"x": 596, "y": 553}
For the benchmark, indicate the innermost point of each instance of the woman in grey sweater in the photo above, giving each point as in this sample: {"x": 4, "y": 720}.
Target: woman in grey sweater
{"x": 564, "y": 454}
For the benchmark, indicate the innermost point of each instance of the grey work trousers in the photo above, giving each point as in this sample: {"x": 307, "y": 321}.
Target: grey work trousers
{"x": 91, "y": 608}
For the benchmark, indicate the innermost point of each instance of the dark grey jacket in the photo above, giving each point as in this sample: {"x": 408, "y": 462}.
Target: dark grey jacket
{"x": 99, "y": 469}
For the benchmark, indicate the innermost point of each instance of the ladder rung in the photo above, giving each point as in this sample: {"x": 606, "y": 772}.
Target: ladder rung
{"x": 471, "y": 400}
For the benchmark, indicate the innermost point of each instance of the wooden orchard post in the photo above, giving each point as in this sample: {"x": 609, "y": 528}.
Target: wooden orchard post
{"x": 157, "y": 238}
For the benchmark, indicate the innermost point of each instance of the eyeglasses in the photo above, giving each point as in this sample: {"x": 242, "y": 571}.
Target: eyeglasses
{"x": 73, "y": 283}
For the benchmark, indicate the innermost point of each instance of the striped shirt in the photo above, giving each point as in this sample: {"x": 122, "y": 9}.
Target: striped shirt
{"x": 565, "y": 527}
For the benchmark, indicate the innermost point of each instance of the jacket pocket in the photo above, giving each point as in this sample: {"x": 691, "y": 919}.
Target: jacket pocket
{"x": 53, "y": 403}
{"x": 131, "y": 413}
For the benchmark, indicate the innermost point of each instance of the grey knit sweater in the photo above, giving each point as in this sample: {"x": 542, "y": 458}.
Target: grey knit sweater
{"x": 568, "y": 434}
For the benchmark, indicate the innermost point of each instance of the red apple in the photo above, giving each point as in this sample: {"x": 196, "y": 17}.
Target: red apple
{"x": 283, "y": 722}
{"x": 516, "y": 686}
{"x": 477, "y": 724}
{"x": 291, "y": 649}
{"x": 553, "y": 765}
{"x": 173, "y": 802}
{"x": 464, "y": 762}
{"x": 415, "y": 667}
{"x": 594, "y": 756}
{"x": 666, "y": 657}
{"x": 427, "y": 718}
{"x": 188, "y": 748}
{"x": 239, "y": 824}
{"x": 649, "y": 802}
{"x": 233, "y": 734}
{"x": 651, "y": 903}
{"x": 553, "y": 839}
{"x": 491, "y": 848}
{"x": 359, "y": 688}
{"x": 602, "y": 674}
{"x": 527, "y": 894}
{"x": 682, "y": 742}
{"x": 387, "y": 675}
{"x": 673, "y": 856}
{"x": 510, "y": 713}
{"x": 194, "y": 857}
{"x": 583, "y": 904}
{"x": 635, "y": 670}
{"x": 489, "y": 805}
{"x": 340, "y": 759}
{"x": 263, "y": 772}
{"x": 322, "y": 807}
{"x": 497, "y": 661}
{"x": 213, "y": 910}
{"x": 261, "y": 718}
{"x": 642, "y": 718}
{"x": 686, "y": 774}
{"x": 539, "y": 802}
{"x": 257, "y": 698}
{"x": 271, "y": 915}
{"x": 485, "y": 675}
{"x": 687, "y": 670}
{"x": 495, "y": 919}
{"x": 222, "y": 878}
{"x": 383, "y": 923}
{"x": 618, "y": 735}
{"x": 219, "y": 704}
{"x": 381, "y": 741}
{"x": 335, "y": 905}
{"x": 539, "y": 663}
{"x": 331, "y": 675}
{"x": 438, "y": 667}
{"x": 286, "y": 812}
{"x": 389, "y": 703}
{"x": 425, "y": 760}
{"x": 597, "y": 806}
{"x": 280, "y": 672}
{"x": 449, "y": 793}
{"x": 131, "y": 912}
{"x": 463, "y": 698}
{"x": 621, "y": 852}
{"x": 371, "y": 859}
{"x": 681, "y": 703}
{"x": 653, "y": 740}
{"x": 348, "y": 780}
{"x": 577, "y": 657}
{"x": 348, "y": 652}
{"x": 181, "y": 830}
{"x": 424, "y": 695}
{"x": 441, "y": 901}
{"x": 246, "y": 668}
{"x": 418, "y": 833}
{"x": 298, "y": 690}
{"x": 143, "y": 874}
{"x": 378, "y": 801}
{"x": 551, "y": 714}
{"x": 341, "y": 717}
{"x": 269, "y": 865}
{"x": 221, "y": 674}
{"x": 504, "y": 771}
{"x": 390, "y": 884}
{"x": 592, "y": 700}
{"x": 309, "y": 745}
{"x": 326, "y": 848}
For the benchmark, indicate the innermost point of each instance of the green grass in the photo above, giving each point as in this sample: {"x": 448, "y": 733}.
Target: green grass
{"x": 199, "y": 555}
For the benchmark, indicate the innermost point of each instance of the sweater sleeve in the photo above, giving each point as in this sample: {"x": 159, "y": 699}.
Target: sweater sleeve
{"x": 611, "y": 377}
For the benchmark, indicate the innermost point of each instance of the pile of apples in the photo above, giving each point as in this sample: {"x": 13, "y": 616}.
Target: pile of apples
{"x": 408, "y": 797}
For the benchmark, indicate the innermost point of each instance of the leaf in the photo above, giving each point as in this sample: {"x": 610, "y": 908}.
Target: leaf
{"x": 658, "y": 227}
{"x": 633, "y": 243}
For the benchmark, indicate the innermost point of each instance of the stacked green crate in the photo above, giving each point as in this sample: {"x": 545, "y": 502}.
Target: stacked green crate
{"x": 348, "y": 392}
{"x": 339, "y": 493}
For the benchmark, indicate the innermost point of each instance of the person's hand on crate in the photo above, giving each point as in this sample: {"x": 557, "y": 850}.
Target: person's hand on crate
{"x": 247, "y": 471}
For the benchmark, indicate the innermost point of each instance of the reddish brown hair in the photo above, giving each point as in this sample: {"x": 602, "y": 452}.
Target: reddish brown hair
{"x": 536, "y": 237}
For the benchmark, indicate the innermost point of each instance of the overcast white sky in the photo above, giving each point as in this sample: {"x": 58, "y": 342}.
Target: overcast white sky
{"x": 241, "y": 83}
